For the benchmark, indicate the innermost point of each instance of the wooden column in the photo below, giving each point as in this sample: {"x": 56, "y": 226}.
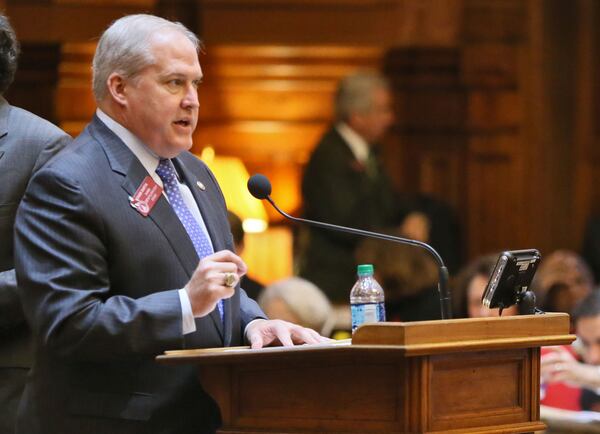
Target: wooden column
{"x": 35, "y": 82}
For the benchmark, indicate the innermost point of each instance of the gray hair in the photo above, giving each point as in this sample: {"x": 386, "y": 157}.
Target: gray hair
{"x": 355, "y": 93}
{"x": 304, "y": 299}
{"x": 125, "y": 48}
{"x": 9, "y": 52}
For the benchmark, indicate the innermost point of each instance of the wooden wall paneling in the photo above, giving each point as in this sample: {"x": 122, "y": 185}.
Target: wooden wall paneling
{"x": 297, "y": 22}
{"x": 69, "y": 20}
{"x": 428, "y": 23}
{"x": 494, "y": 21}
{"x": 442, "y": 170}
{"x": 187, "y": 12}
{"x": 587, "y": 109}
{"x": 496, "y": 175}
{"x": 548, "y": 81}
{"x": 386, "y": 23}
{"x": 496, "y": 196}
{"x": 75, "y": 104}
{"x": 430, "y": 120}
{"x": 427, "y": 153}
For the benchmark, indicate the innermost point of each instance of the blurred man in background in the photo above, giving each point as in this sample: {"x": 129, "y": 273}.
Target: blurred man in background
{"x": 344, "y": 183}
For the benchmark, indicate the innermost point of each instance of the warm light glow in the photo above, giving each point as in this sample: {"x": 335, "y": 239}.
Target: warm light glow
{"x": 253, "y": 226}
{"x": 232, "y": 177}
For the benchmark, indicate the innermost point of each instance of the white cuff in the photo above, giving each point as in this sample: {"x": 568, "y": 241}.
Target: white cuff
{"x": 188, "y": 325}
{"x": 248, "y": 325}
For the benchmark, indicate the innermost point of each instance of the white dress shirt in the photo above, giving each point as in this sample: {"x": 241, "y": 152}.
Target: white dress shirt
{"x": 150, "y": 162}
{"x": 359, "y": 147}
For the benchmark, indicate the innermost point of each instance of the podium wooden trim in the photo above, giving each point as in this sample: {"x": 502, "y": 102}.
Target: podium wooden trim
{"x": 453, "y": 376}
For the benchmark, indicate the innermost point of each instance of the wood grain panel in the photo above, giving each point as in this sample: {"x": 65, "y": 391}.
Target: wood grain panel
{"x": 257, "y": 142}
{"x": 59, "y": 23}
{"x": 587, "y": 134}
{"x": 272, "y": 101}
{"x": 496, "y": 198}
{"x": 494, "y": 21}
{"x": 493, "y": 109}
{"x": 442, "y": 172}
{"x": 453, "y": 402}
{"x": 75, "y": 104}
{"x": 370, "y": 404}
{"x": 490, "y": 65}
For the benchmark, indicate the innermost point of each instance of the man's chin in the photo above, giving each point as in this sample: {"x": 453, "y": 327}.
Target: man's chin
{"x": 172, "y": 150}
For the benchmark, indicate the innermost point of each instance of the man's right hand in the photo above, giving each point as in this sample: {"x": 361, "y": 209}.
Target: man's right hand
{"x": 207, "y": 285}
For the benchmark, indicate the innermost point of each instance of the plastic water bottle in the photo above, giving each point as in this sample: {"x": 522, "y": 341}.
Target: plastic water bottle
{"x": 366, "y": 298}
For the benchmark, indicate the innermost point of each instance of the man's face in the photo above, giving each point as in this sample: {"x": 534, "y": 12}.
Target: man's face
{"x": 372, "y": 125}
{"x": 588, "y": 332}
{"x": 162, "y": 100}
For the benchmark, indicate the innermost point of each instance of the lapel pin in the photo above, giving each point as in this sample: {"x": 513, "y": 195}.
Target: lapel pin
{"x": 200, "y": 186}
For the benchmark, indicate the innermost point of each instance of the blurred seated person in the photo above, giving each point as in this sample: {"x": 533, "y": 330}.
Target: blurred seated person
{"x": 407, "y": 274}
{"x": 562, "y": 280}
{"x": 469, "y": 286}
{"x": 433, "y": 221}
{"x": 298, "y": 299}
{"x": 561, "y": 365}
{"x": 251, "y": 286}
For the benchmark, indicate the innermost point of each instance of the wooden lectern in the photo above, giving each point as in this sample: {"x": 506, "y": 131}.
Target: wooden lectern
{"x": 454, "y": 376}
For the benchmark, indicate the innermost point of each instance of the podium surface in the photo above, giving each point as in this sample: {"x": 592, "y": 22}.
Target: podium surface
{"x": 452, "y": 376}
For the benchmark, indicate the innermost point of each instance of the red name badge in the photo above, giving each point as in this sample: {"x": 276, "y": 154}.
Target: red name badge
{"x": 146, "y": 196}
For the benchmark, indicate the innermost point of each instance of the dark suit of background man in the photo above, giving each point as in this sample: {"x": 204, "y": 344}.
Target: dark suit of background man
{"x": 344, "y": 183}
{"x": 26, "y": 143}
{"x": 105, "y": 287}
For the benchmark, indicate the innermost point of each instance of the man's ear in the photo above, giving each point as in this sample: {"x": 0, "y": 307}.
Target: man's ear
{"x": 116, "y": 86}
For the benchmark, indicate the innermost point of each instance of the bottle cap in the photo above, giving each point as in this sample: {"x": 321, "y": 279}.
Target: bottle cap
{"x": 365, "y": 270}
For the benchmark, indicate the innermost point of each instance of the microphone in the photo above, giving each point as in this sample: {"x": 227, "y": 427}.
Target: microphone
{"x": 259, "y": 186}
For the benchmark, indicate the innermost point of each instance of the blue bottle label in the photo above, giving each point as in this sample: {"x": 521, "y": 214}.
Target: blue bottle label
{"x": 364, "y": 313}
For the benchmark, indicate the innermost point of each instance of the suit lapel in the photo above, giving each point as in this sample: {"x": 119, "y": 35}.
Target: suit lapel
{"x": 209, "y": 215}
{"x": 165, "y": 218}
{"x": 122, "y": 161}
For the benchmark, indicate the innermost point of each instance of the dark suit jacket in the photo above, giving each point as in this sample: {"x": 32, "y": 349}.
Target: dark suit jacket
{"x": 26, "y": 143}
{"x": 100, "y": 290}
{"x": 337, "y": 189}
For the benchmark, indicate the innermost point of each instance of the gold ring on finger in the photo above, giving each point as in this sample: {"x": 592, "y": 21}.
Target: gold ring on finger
{"x": 229, "y": 280}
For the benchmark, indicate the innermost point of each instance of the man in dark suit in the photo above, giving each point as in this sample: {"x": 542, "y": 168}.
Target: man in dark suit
{"x": 115, "y": 242}
{"x": 345, "y": 184}
{"x": 26, "y": 143}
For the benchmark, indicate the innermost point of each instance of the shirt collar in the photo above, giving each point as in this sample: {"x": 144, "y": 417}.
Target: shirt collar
{"x": 148, "y": 158}
{"x": 358, "y": 145}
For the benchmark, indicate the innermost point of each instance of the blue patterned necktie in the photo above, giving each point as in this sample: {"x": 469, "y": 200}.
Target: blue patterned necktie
{"x": 166, "y": 172}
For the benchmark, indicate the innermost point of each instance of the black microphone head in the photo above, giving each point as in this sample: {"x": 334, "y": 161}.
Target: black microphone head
{"x": 259, "y": 186}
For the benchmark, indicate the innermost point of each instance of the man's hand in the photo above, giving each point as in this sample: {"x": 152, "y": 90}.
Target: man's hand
{"x": 262, "y": 332}
{"x": 207, "y": 285}
{"x": 561, "y": 366}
